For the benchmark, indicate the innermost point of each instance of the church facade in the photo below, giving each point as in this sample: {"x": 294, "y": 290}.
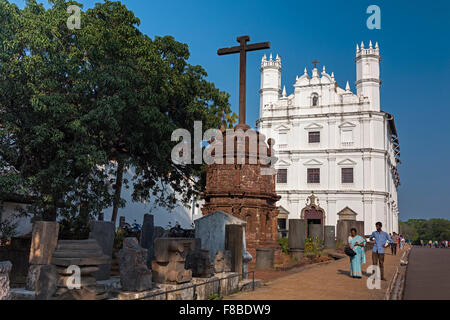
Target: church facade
{"x": 332, "y": 142}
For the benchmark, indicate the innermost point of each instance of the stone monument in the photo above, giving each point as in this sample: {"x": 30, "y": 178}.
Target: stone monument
{"x": 148, "y": 237}
{"x": 297, "y": 237}
{"x": 170, "y": 259}
{"x": 243, "y": 184}
{"x": 103, "y": 232}
{"x": 43, "y": 243}
{"x": 135, "y": 276}
{"x": 347, "y": 221}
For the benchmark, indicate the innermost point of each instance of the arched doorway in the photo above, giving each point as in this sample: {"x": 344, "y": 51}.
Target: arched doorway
{"x": 313, "y": 214}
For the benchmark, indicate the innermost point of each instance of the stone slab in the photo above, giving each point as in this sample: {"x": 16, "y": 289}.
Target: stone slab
{"x": 44, "y": 241}
{"x": 104, "y": 233}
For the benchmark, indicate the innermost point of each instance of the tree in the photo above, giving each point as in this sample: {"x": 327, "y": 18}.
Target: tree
{"x": 79, "y": 107}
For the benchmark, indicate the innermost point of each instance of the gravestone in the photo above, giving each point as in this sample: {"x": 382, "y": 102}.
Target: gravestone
{"x": 316, "y": 231}
{"x": 43, "y": 243}
{"x": 222, "y": 261}
{"x": 169, "y": 261}
{"x": 85, "y": 256}
{"x": 103, "y": 232}
{"x": 234, "y": 238}
{"x": 198, "y": 261}
{"x": 296, "y": 238}
{"x": 5, "y": 269}
{"x": 148, "y": 237}
{"x": 347, "y": 221}
{"x": 330, "y": 237}
{"x": 211, "y": 230}
{"x": 47, "y": 283}
{"x": 265, "y": 258}
{"x": 135, "y": 276}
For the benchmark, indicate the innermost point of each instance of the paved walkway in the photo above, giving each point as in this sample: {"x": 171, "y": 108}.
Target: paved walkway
{"x": 428, "y": 274}
{"x": 325, "y": 282}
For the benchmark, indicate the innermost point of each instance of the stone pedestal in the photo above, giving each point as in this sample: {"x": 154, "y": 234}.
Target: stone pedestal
{"x": 330, "y": 237}
{"x": 243, "y": 187}
{"x": 103, "y": 232}
{"x": 5, "y": 269}
{"x": 43, "y": 243}
{"x": 264, "y": 258}
{"x": 135, "y": 276}
{"x": 170, "y": 258}
{"x": 297, "y": 234}
{"x": 76, "y": 261}
{"x": 148, "y": 237}
{"x": 316, "y": 231}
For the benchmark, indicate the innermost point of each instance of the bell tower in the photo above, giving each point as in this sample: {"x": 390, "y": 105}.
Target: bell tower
{"x": 270, "y": 81}
{"x": 368, "y": 74}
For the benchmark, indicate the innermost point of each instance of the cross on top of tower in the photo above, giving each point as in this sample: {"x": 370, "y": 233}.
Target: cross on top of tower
{"x": 315, "y": 62}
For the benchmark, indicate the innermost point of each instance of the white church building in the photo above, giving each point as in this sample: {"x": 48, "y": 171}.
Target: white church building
{"x": 332, "y": 142}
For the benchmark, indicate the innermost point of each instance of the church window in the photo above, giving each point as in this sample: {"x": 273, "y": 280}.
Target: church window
{"x": 314, "y": 137}
{"x": 315, "y": 99}
{"x": 282, "y": 176}
{"x": 314, "y": 175}
{"x": 347, "y": 175}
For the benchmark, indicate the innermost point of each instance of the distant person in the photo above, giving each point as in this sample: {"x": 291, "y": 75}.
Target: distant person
{"x": 430, "y": 243}
{"x": 357, "y": 243}
{"x": 421, "y": 243}
{"x": 394, "y": 244}
{"x": 382, "y": 241}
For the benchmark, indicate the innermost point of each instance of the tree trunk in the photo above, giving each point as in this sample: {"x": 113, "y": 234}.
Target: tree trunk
{"x": 118, "y": 191}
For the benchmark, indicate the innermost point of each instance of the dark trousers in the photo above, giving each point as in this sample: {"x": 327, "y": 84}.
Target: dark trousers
{"x": 394, "y": 248}
{"x": 378, "y": 259}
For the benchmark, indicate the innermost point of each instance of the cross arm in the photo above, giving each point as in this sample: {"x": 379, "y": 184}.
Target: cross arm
{"x": 250, "y": 47}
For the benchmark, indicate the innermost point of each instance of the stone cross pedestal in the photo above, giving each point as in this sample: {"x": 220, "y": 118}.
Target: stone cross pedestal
{"x": 43, "y": 243}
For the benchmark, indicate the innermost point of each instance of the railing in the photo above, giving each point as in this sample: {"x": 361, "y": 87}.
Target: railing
{"x": 195, "y": 286}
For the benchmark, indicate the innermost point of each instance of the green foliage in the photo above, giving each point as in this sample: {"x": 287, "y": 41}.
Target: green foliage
{"x": 421, "y": 229}
{"x": 313, "y": 247}
{"x": 76, "y": 105}
{"x": 214, "y": 296}
{"x": 118, "y": 239}
{"x": 284, "y": 243}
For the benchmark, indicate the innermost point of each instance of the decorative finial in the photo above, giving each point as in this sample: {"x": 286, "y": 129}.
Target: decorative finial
{"x": 270, "y": 57}
{"x": 306, "y": 71}
{"x": 264, "y": 58}
{"x": 347, "y": 87}
{"x": 332, "y": 75}
{"x": 278, "y": 58}
{"x": 296, "y": 78}
{"x": 284, "y": 92}
{"x": 315, "y": 62}
{"x": 376, "y": 45}
{"x": 370, "y": 44}
{"x": 362, "y": 45}
{"x": 357, "y": 48}
{"x": 323, "y": 69}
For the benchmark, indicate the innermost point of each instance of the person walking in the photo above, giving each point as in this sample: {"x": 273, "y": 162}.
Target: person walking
{"x": 382, "y": 241}
{"x": 394, "y": 244}
{"x": 357, "y": 243}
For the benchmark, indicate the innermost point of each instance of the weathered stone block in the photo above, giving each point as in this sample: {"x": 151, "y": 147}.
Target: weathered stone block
{"x": 148, "y": 237}
{"x": 5, "y": 269}
{"x": 46, "y": 285}
{"x": 134, "y": 273}
{"x": 330, "y": 237}
{"x": 222, "y": 261}
{"x": 104, "y": 233}
{"x": 44, "y": 241}
{"x": 198, "y": 261}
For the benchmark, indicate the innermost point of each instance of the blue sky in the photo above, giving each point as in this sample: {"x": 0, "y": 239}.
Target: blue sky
{"x": 415, "y": 50}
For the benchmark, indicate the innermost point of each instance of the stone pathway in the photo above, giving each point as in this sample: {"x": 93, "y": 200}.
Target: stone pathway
{"x": 427, "y": 277}
{"x": 324, "y": 282}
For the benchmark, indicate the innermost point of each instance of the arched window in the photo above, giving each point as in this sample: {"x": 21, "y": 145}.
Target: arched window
{"x": 315, "y": 99}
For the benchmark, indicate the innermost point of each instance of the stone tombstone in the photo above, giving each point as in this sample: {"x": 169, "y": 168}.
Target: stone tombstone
{"x": 169, "y": 261}
{"x": 234, "y": 238}
{"x": 347, "y": 221}
{"x": 135, "y": 276}
{"x": 103, "y": 232}
{"x": 198, "y": 261}
{"x": 222, "y": 261}
{"x": 47, "y": 283}
{"x": 43, "y": 243}
{"x": 297, "y": 234}
{"x": 316, "y": 231}
{"x": 5, "y": 269}
{"x": 330, "y": 237}
{"x": 265, "y": 258}
{"x": 211, "y": 230}
{"x": 148, "y": 237}
{"x": 76, "y": 262}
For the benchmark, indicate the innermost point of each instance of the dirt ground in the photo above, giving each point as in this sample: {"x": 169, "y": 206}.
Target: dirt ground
{"x": 329, "y": 281}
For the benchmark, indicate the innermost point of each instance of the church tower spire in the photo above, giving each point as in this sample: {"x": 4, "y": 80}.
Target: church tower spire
{"x": 368, "y": 74}
{"x": 270, "y": 81}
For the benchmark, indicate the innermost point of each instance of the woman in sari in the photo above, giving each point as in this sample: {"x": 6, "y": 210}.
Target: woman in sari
{"x": 357, "y": 243}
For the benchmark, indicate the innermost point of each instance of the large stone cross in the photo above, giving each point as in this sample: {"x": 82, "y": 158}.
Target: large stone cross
{"x": 242, "y": 49}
